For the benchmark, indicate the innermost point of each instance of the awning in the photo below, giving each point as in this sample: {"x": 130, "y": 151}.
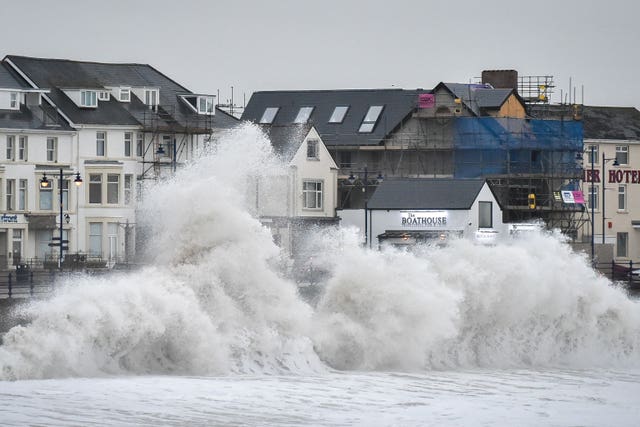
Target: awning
{"x": 635, "y": 223}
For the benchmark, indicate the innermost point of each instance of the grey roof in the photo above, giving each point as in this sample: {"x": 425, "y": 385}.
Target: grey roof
{"x": 27, "y": 117}
{"x": 286, "y": 139}
{"x": 10, "y": 80}
{"x": 397, "y": 106}
{"x": 611, "y": 123}
{"x": 57, "y": 74}
{"x": 479, "y": 96}
{"x": 426, "y": 193}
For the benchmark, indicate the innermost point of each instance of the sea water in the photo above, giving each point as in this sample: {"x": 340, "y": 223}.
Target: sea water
{"x": 213, "y": 331}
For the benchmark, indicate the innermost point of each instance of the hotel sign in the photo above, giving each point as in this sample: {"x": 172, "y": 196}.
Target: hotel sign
{"x": 423, "y": 219}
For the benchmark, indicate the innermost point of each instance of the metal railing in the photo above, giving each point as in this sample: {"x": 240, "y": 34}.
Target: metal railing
{"x": 621, "y": 272}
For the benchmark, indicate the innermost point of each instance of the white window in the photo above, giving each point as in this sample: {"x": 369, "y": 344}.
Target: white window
{"x": 46, "y": 198}
{"x": 95, "y": 188}
{"x": 622, "y": 197}
{"x": 622, "y": 240}
{"x": 113, "y": 189}
{"x": 11, "y": 144}
{"x": 65, "y": 194}
{"x": 622, "y": 154}
{"x": 312, "y": 149}
{"x": 23, "y": 147}
{"x": 13, "y": 101}
{"x": 139, "y": 144}
{"x": 103, "y": 95}
{"x": 269, "y": 115}
{"x": 52, "y": 149}
{"x": 22, "y": 195}
{"x": 11, "y": 194}
{"x": 17, "y": 245}
{"x": 303, "y": 115}
{"x": 112, "y": 239}
{"x": 125, "y": 94}
{"x": 88, "y": 98}
{"x": 151, "y": 97}
{"x": 312, "y": 194}
{"x": 205, "y": 105}
{"x": 338, "y": 114}
{"x": 370, "y": 119}
{"x": 485, "y": 215}
{"x": 593, "y": 197}
{"x": 128, "y": 137}
{"x": 592, "y": 153}
{"x": 95, "y": 238}
{"x": 101, "y": 142}
{"x": 128, "y": 189}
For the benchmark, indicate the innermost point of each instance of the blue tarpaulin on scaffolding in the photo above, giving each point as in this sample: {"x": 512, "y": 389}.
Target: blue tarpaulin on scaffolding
{"x": 495, "y": 146}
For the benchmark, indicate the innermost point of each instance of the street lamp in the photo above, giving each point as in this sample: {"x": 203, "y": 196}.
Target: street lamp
{"x": 45, "y": 183}
{"x": 365, "y": 189}
{"x": 604, "y": 181}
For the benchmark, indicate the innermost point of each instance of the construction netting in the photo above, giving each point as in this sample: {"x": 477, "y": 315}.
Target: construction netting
{"x": 506, "y": 146}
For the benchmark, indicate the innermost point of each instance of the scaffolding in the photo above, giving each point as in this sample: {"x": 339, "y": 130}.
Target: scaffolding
{"x": 518, "y": 157}
{"x": 167, "y": 135}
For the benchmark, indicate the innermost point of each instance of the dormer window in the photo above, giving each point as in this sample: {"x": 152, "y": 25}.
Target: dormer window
{"x": 303, "y": 115}
{"x": 88, "y": 98}
{"x": 269, "y": 114}
{"x": 151, "y": 97}
{"x": 125, "y": 94}
{"x": 205, "y": 104}
{"x": 13, "y": 101}
{"x": 103, "y": 95}
{"x": 370, "y": 119}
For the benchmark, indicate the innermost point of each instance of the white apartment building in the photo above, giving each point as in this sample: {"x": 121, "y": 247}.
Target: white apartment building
{"x": 111, "y": 125}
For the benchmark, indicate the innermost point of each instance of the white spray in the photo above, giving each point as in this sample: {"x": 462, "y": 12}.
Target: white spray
{"x": 216, "y": 299}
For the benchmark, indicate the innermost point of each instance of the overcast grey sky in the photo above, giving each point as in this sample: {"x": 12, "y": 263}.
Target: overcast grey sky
{"x": 257, "y": 45}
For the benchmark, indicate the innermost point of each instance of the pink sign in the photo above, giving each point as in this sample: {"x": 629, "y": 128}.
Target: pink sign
{"x": 426, "y": 100}
{"x": 578, "y": 196}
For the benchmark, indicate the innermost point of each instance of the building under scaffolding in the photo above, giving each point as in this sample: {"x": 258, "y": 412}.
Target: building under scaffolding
{"x": 451, "y": 131}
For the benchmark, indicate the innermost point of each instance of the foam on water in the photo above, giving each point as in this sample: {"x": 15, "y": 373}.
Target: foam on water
{"x": 216, "y": 297}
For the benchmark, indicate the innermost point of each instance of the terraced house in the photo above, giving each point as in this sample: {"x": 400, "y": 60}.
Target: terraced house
{"x": 110, "y": 126}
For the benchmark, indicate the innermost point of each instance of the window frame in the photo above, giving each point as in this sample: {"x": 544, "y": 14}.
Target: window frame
{"x": 110, "y": 186}
{"x": 23, "y": 195}
{"x": 594, "y": 192}
{"x": 371, "y": 119}
{"x": 622, "y": 250}
{"x": 208, "y": 104}
{"x": 313, "y": 149}
{"x": 10, "y": 194}
{"x": 622, "y": 151}
{"x": 139, "y": 144}
{"x": 316, "y": 194}
{"x": 336, "y": 117}
{"x": 95, "y": 189}
{"x": 23, "y": 148}
{"x": 304, "y": 113}
{"x": 11, "y": 147}
{"x": 123, "y": 91}
{"x": 103, "y": 95}
{"x": 14, "y": 101}
{"x": 101, "y": 143}
{"x": 622, "y": 198}
{"x": 52, "y": 150}
{"x": 485, "y": 221}
{"x": 128, "y": 141}
{"x": 269, "y": 115}
{"x": 152, "y": 97}
{"x": 596, "y": 154}
{"x": 88, "y": 98}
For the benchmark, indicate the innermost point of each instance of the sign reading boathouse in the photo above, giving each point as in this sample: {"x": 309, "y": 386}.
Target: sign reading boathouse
{"x": 423, "y": 219}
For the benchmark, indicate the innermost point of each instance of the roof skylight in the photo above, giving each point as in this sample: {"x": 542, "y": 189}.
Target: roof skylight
{"x": 269, "y": 115}
{"x": 303, "y": 115}
{"x": 370, "y": 119}
{"x": 338, "y": 114}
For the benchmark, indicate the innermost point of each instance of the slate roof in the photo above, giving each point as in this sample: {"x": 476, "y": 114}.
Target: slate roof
{"x": 397, "y": 105}
{"x": 57, "y": 74}
{"x": 479, "y": 96}
{"x": 426, "y": 193}
{"x": 611, "y": 122}
{"x": 32, "y": 117}
{"x": 286, "y": 139}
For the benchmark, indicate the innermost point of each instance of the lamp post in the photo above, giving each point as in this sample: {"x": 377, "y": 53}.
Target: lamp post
{"x": 604, "y": 181}
{"x": 365, "y": 190}
{"x": 44, "y": 183}
{"x": 593, "y": 205}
